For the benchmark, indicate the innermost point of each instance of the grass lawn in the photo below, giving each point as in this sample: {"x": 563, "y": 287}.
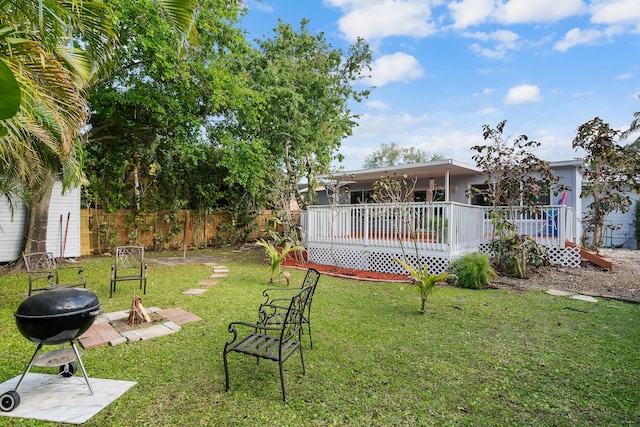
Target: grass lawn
{"x": 475, "y": 358}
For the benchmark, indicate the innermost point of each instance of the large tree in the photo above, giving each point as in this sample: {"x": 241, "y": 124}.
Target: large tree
{"x": 393, "y": 155}
{"x": 611, "y": 172}
{"x": 148, "y": 145}
{"x": 298, "y": 112}
{"x": 53, "y": 49}
{"x": 516, "y": 179}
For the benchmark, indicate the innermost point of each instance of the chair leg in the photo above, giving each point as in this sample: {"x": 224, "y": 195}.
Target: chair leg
{"x": 112, "y": 287}
{"x": 304, "y": 371}
{"x": 284, "y": 393}
{"x": 226, "y": 372}
{"x": 310, "y": 340}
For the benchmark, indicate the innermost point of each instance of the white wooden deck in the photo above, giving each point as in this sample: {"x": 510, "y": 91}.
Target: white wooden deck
{"x": 369, "y": 236}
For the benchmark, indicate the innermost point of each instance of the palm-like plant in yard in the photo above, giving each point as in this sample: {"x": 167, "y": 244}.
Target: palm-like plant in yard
{"x": 424, "y": 281}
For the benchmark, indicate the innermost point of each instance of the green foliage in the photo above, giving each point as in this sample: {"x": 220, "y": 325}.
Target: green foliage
{"x": 611, "y": 171}
{"x": 423, "y": 280}
{"x": 393, "y": 155}
{"x": 473, "y": 271}
{"x": 153, "y": 144}
{"x": 10, "y": 94}
{"x": 298, "y": 110}
{"x": 277, "y": 255}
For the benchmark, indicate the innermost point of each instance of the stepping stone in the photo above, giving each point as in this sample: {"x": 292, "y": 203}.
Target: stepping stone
{"x": 218, "y": 275}
{"x": 194, "y": 291}
{"x": 208, "y": 283}
{"x": 178, "y": 316}
{"x": 584, "y": 298}
{"x": 117, "y": 315}
{"x": 210, "y": 264}
{"x": 557, "y": 293}
{"x": 220, "y": 269}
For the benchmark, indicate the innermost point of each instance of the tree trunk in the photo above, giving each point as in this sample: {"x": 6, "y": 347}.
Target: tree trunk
{"x": 36, "y": 233}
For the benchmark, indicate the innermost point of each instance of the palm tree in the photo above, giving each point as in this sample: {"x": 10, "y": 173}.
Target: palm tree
{"x": 53, "y": 49}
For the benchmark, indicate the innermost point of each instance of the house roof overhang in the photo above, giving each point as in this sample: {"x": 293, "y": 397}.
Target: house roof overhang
{"x": 420, "y": 170}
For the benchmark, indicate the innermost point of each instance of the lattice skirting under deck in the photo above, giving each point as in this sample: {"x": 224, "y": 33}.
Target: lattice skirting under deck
{"x": 565, "y": 257}
{"x": 383, "y": 261}
{"x": 373, "y": 261}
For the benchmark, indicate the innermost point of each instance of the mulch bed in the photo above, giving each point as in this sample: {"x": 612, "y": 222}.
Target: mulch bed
{"x": 349, "y": 273}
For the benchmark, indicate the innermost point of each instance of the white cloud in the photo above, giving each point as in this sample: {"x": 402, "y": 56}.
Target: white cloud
{"x": 260, "y": 5}
{"x": 380, "y": 19}
{"x": 485, "y": 92}
{"x": 615, "y": 11}
{"x": 471, "y": 12}
{"x": 523, "y": 94}
{"x": 577, "y": 36}
{"x": 624, "y": 76}
{"x": 377, "y": 105}
{"x": 393, "y": 68}
{"x": 524, "y": 11}
{"x": 504, "y": 40}
{"x": 466, "y": 13}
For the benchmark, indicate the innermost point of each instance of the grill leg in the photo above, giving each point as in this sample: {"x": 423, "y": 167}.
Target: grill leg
{"x": 84, "y": 373}
{"x": 28, "y": 366}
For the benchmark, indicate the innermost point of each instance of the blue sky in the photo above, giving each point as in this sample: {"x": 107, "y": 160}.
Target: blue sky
{"x": 443, "y": 69}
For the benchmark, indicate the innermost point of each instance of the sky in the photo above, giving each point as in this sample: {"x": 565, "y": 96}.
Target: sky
{"x": 443, "y": 69}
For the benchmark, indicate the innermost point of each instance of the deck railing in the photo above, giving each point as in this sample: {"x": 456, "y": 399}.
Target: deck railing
{"x": 440, "y": 226}
{"x": 550, "y": 225}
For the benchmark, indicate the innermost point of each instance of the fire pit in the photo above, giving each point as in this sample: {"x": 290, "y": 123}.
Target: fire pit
{"x": 54, "y": 317}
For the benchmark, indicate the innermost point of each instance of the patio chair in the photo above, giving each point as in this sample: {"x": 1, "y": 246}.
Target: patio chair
{"x": 276, "y": 343}
{"x": 128, "y": 264}
{"x": 42, "y": 268}
{"x": 280, "y": 297}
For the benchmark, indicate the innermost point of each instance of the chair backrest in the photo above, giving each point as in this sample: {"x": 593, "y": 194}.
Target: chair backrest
{"x": 310, "y": 280}
{"x": 129, "y": 257}
{"x": 41, "y": 265}
{"x": 293, "y": 319}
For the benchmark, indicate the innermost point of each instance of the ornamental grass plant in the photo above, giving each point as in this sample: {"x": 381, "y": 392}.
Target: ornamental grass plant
{"x": 476, "y": 358}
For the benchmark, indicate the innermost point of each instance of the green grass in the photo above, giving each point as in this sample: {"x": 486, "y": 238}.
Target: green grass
{"x": 475, "y": 358}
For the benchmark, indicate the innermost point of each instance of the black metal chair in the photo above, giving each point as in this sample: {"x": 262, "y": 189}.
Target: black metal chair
{"x": 43, "y": 268}
{"x": 128, "y": 264}
{"x": 280, "y": 297}
{"x": 276, "y": 343}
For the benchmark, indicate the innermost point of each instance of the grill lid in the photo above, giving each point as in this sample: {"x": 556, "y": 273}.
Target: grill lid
{"x": 57, "y": 303}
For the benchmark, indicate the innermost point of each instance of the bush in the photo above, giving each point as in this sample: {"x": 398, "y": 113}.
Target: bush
{"x": 474, "y": 271}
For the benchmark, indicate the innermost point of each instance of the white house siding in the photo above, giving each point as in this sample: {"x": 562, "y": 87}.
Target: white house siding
{"x": 11, "y": 230}
{"x": 67, "y": 206}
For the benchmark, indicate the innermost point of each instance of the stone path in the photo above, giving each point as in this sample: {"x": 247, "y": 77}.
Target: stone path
{"x": 571, "y": 295}
{"x": 102, "y": 331}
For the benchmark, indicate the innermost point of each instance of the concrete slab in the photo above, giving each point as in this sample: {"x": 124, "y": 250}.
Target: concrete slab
{"x": 218, "y": 275}
{"x": 584, "y": 298}
{"x": 194, "y": 291}
{"x": 208, "y": 283}
{"x": 173, "y": 326}
{"x": 558, "y": 293}
{"x": 58, "y": 399}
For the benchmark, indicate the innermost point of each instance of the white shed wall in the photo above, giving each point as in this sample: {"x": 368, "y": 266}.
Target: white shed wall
{"x": 64, "y": 206}
{"x": 11, "y": 230}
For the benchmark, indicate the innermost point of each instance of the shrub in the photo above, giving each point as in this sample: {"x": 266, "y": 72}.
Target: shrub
{"x": 474, "y": 271}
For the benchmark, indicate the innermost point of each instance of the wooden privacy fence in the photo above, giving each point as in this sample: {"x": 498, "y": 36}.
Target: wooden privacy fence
{"x": 161, "y": 230}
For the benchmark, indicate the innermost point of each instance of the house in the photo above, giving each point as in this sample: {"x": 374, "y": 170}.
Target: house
{"x": 63, "y": 225}
{"x": 444, "y": 222}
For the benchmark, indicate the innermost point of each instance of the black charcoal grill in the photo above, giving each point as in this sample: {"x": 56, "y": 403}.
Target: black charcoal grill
{"x": 52, "y": 317}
